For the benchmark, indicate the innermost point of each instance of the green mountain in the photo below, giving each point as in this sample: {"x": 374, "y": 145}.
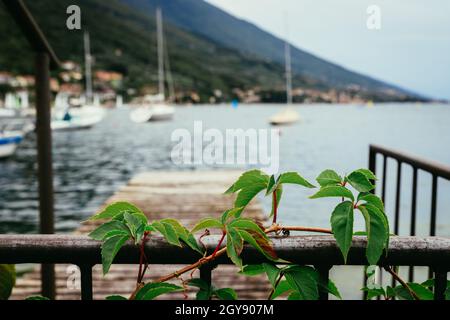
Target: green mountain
{"x": 203, "y": 18}
{"x": 205, "y": 55}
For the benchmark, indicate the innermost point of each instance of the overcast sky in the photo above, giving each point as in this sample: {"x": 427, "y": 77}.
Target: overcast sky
{"x": 412, "y": 48}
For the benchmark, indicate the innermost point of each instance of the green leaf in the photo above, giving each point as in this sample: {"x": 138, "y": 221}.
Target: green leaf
{"x": 333, "y": 191}
{"x": 116, "y": 209}
{"x": 37, "y": 298}
{"x": 231, "y": 214}
{"x": 208, "y": 223}
{"x": 100, "y": 233}
{"x": 282, "y": 288}
{"x": 184, "y": 235}
{"x": 248, "y": 224}
{"x": 342, "y": 226}
{"x": 377, "y": 231}
{"x": 369, "y": 174}
{"x": 262, "y": 244}
{"x": 235, "y": 245}
{"x": 360, "y": 182}
{"x": 294, "y": 178}
{"x": 329, "y": 178}
{"x": 204, "y": 295}
{"x": 422, "y": 292}
{"x": 273, "y": 273}
{"x": 135, "y": 225}
{"x": 252, "y": 270}
{"x": 199, "y": 283}
{"x": 110, "y": 248}
{"x": 247, "y": 194}
{"x": 372, "y": 199}
{"x": 152, "y": 290}
{"x": 374, "y": 293}
{"x": 249, "y": 179}
{"x": 303, "y": 280}
{"x": 7, "y": 280}
{"x": 225, "y": 294}
{"x": 168, "y": 232}
{"x": 116, "y": 298}
{"x": 331, "y": 288}
{"x": 272, "y": 185}
{"x": 295, "y": 296}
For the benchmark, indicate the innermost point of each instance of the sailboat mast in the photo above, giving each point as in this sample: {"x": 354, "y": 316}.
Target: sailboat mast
{"x": 288, "y": 73}
{"x": 159, "y": 25}
{"x": 88, "y": 66}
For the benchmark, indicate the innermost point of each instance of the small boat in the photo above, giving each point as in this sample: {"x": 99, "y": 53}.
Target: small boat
{"x": 9, "y": 141}
{"x": 285, "y": 117}
{"x": 155, "y": 107}
{"x": 77, "y": 118}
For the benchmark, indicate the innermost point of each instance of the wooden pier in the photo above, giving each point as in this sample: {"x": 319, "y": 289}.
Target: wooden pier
{"x": 187, "y": 196}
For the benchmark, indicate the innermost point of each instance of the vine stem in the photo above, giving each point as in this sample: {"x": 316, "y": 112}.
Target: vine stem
{"x": 219, "y": 245}
{"x": 219, "y": 252}
{"x": 276, "y": 285}
{"x": 275, "y": 207}
{"x": 402, "y": 282}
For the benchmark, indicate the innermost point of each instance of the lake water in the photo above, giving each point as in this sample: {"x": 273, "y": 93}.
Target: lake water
{"x": 90, "y": 165}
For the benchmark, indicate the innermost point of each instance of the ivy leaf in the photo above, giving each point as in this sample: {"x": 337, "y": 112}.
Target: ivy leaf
{"x": 372, "y": 199}
{"x": 252, "y": 270}
{"x": 225, "y": 294}
{"x": 235, "y": 245}
{"x": 422, "y": 292}
{"x": 135, "y": 225}
{"x": 110, "y": 248}
{"x": 294, "y": 178}
{"x": 152, "y": 290}
{"x": 377, "y": 232}
{"x": 249, "y": 225}
{"x": 342, "y": 226}
{"x": 331, "y": 288}
{"x": 168, "y": 232}
{"x": 262, "y": 244}
{"x": 116, "y": 298}
{"x": 273, "y": 273}
{"x": 329, "y": 178}
{"x": 272, "y": 185}
{"x": 282, "y": 288}
{"x": 7, "y": 280}
{"x": 374, "y": 293}
{"x": 360, "y": 182}
{"x": 100, "y": 233}
{"x": 248, "y": 179}
{"x": 369, "y": 174}
{"x": 183, "y": 234}
{"x": 333, "y": 191}
{"x": 208, "y": 223}
{"x": 304, "y": 280}
{"x": 230, "y": 214}
{"x": 116, "y": 209}
{"x": 247, "y": 194}
{"x": 295, "y": 296}
{"x": 199, "y": 283}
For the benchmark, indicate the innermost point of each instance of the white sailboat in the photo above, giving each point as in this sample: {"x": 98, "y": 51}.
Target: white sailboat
{"x": 156, "y": 108}
{"x": 288, "y": 115}
{"x": 66, "y": 118}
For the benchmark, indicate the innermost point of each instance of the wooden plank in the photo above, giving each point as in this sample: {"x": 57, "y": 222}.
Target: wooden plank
{"x": 187, "y": 196}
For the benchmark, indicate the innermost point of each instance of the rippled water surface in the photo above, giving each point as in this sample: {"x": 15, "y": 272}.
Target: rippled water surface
{"x": 90, "y": 165}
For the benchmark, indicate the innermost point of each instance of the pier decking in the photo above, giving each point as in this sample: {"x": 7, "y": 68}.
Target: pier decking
{"x": 187, "y": 196}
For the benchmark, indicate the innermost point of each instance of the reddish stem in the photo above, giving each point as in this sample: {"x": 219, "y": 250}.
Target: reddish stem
{"x": 219, "y": 245}
{"x": 142, "y": 258}
{"x": 275, "y": 207}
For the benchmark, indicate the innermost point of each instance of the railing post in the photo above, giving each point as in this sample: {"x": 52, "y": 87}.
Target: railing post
{"x": 372, "y": 161}
{"x": 44, "y": 159}
{"x": 324, "y": 277}
{"x": 440, "y": 285}
{"x": 206, "y": 273}
{"x": 86, "y": 282}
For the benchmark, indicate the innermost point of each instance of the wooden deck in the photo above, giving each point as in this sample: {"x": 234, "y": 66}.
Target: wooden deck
{"x": 187, "y": 196}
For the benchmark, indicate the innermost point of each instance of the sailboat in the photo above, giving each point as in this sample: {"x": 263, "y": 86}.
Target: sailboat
{"x": 66, "y": 118}
{"x": 155, "y": 107}
{"x": 288, "y": 115}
